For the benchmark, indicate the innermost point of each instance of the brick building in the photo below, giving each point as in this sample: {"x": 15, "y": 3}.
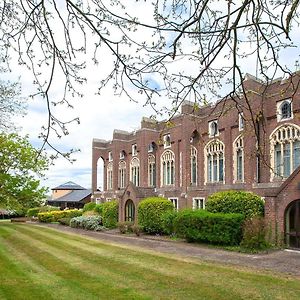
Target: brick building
{"x": 251, "y": 145}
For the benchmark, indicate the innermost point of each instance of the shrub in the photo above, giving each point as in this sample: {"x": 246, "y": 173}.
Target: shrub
{"x": 45, "y": 217}
{"x": 54, "y": 216}
{"x": 110, "y": 214}
{"x": 150, "y": 212}
{"x": 242, "y": 202}
{"x": 90, "y": 213}
{"x": 88, "y": 223}
{"x": 203, "y": 226}
{"x": 64, "y": 221}
{"x": 99, "y": 209}
{"x": 254, "y": 234}
{"x": 168, "y": 222}
{"x": 137, "y": 229}
{"x": 32, "y": 212}
{"x": 89, "y": 206}
{"x": 48, "y": 208}
{"x": 125, "y": 227}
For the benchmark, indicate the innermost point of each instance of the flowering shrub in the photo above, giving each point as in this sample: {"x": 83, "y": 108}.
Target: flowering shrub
{"x": 88, "y": 223}
{"x": 54, "y": 216}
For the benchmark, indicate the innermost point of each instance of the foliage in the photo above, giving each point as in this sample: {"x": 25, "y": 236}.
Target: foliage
{"x": 203, "y": 226}
{"x": 88, "y": 223}
{"x": 168, "y": 222}
{"x": 110, "y": 213}
{"x": 90, "y": 213}
{"x": 125, "y": 227}
{"x": 99, "y": 209}
{"x": 48, "y": 208}
{"x": 89, "y": 206}
{"x": 254, "y": 234}
{"x": 137, "y": 229}
{"x": 32, "y": 212}
{"x": 242, "y": 202}
{"x": 150, "y": 213}
{"x": 20, "y": 163}
{"x": 54, "y": 216}
{"x": 64, "y": 221}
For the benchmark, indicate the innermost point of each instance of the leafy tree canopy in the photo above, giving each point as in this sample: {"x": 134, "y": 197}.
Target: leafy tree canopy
{"x": 20, "y": 165}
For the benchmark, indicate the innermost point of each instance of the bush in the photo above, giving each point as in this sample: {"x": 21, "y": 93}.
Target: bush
{"x": 64, "y": 221}
{"x": 203, "y": 226}
{"x": 88, "y": 223}
{"x": 242, "y": 202}
{"x": 32, "y": 212}
{"x": 99, "y": 209}
{"x": 48, "y": 208}
{"x": 45, "y": 217}
{"x": 125, "y": 227}
{"x": 54, "y": 216}
{"x": 89, "y": 206}
{"x": 150, "y": 212}
{"x": 90, "y": 213}
{"x": 168, "y": 222}
{"x": 137, "y": 229}
{"x": 110, "y": 214}
{"x": 254, "y": 234}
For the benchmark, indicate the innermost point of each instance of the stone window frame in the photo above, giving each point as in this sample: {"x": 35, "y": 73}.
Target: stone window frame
{"x": 167, "y": 141}
{"x": 122, "y": 154}
{"x": 238, "y": 146}
{"x": 134, "y": 150}
{"x": 135, "y": 171}
{"x": 167, "y": 168}
{"x": 151, "y": 170}
{"x": 196, "y": 201}
{"x": 175, "y": 202}
{"x": 279, "y": 107}
{"x": 110, "y": 156}
{"x": 241, "y": 121}
{"x": 213, "y": 128}
{"x": 109, "y": 178}
{"x": 194, "y": 165}
{"x": 122, "y": 174}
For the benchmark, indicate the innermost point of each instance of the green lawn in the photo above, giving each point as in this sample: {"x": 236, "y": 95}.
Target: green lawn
{"x": 41, "y": 263}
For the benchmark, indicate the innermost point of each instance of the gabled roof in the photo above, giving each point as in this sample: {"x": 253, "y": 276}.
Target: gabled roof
{"x": 70, "y": 185}
{"x": 74, "y": 196}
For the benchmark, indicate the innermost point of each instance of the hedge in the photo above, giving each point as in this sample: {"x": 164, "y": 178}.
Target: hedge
{"x": 33, "y": 212}
{"x": 89, "y": 206}
{"x": 110, "y": 213}
{"x": 150, "y": 213}
{"x": 54, "y": 216}
{"x": 203, "y": 226}
{"x": 88, "y": 223}
{"x": 246, "y": 203}
{"x": 99, "y": 208}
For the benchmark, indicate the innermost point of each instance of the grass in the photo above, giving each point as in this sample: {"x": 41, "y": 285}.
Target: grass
{"x": 42, "y": 263}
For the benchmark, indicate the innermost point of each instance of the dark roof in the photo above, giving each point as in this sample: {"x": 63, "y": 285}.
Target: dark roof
{"x": 74, "y": 196}
{"x": 70, "y": 185}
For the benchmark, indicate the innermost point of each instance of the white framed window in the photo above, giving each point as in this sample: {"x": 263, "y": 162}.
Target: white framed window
{"x": 135, "y": 171}
{"x": 110, "y": 157}
{"x": 241, "y": 121}
{"x": 122, "y": 154}
{"x": 151, "y": 171}
{"x": 214, "y": 161}
{"x": 109, "y": 176}
{"x": 134, "y": 150}
{"x": 194, "y": 165}
{"x": 199, "y": 203}
{"x": 167, "y": 168}
{"x": 284, "y": 110}
{"x": 213, "y": 128}
{"x": 238, "y": 159}
{"x": 285, "y": 150}
{"x": 167, "y": 141}
{"x": 174, "y": 201}
{"x": 122, "y": 175}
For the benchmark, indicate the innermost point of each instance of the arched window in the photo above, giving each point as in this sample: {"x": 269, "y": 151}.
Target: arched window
{"x": 167, "y": 168}
{"x": 122, "y": 175}
{"x": 110, "y": 176}
{"x": 129, "y": 211}
{"x": 285, "y": 150}
{"x": 151, "y": 171}
{"x": 214, "y": 159}
{"x": 238, "y": 159}
{"x": 285, "y": 110}
{"x": 193, "y": 157}
{"x": 135, "y": 171}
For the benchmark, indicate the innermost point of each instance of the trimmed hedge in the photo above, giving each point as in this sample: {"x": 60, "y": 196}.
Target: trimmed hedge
{"x": 110, "y": 213}
{"x": 54, "y": 216}
{"x": 150, "y": 213}
{"x": 203, "y": 226}
{"x": 246, "y": 203}
{"x": 89, "y": 206}
{"x": 88, "y": 223}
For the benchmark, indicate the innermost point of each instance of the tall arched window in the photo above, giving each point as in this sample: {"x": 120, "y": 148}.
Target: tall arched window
{"x": 122, "y": 174}
{"x": 285, "y": 150}
{"x": 214, "y": 159}
{"x": 135, "y": 171}
{"x": 193, "y": 157}
{"x": 167, "y": 168}
{"x": 151, "y": 170}
{"x": 110, "y": 176}
{"x": 238, "y": 159}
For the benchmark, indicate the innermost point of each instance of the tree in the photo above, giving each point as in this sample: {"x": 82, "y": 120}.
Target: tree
{"x": 184, "y": 49}
{"x": 20, "y": 164}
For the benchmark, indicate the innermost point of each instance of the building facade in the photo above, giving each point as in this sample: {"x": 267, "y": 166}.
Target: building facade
{"x": 248, "y": 143}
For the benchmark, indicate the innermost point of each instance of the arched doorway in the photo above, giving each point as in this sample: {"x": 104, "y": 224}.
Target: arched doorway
{"x": 129, "y": 211}
{"x": 292, "y": 225}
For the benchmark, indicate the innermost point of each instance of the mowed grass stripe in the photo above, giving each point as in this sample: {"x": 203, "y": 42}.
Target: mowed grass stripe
{"x": 76, "y": 283}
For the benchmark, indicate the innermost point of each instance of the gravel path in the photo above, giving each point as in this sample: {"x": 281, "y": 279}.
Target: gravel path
{"x": 282, "y": 261}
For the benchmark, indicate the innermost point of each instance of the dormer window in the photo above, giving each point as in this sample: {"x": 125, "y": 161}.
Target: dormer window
{"x": 110, "y": 157}
{"x": 241, "y": 121}
{"x": 284, "y": 110}
{"x": 213, "y": 128}
{"x": 134, "y": 149}
{"x": 167, "y": 141}
{"x": 122, "y": 154}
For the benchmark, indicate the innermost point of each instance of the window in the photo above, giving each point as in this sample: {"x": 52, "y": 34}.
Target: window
{"x": 167, "y": 141}
{"x": 98, "y": 200}
{"x": 168, "y": 168}
{"x": 135, "y": 171}
{"x": 198, "y": 203}
{"x": 122, "y": 154}
{"x": 110, "y": 157}
{"x": 174, "y": 202}
{"x": 110, "y": 176}
{"x": 213, "y": 128}
{"x": 122, "y": 175}
{"x": 193, "y": 158}
{"x": 285, "y": 150}
{"x": 151, "y": 171}
{"x": 214, "y": 159}
{"x": 151, "y": 147}
{"x": 241, "y": 121}
{"x": 238, "y": 159}
{"x": 284, "y": 110}
{"x": 134, "y": 150}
